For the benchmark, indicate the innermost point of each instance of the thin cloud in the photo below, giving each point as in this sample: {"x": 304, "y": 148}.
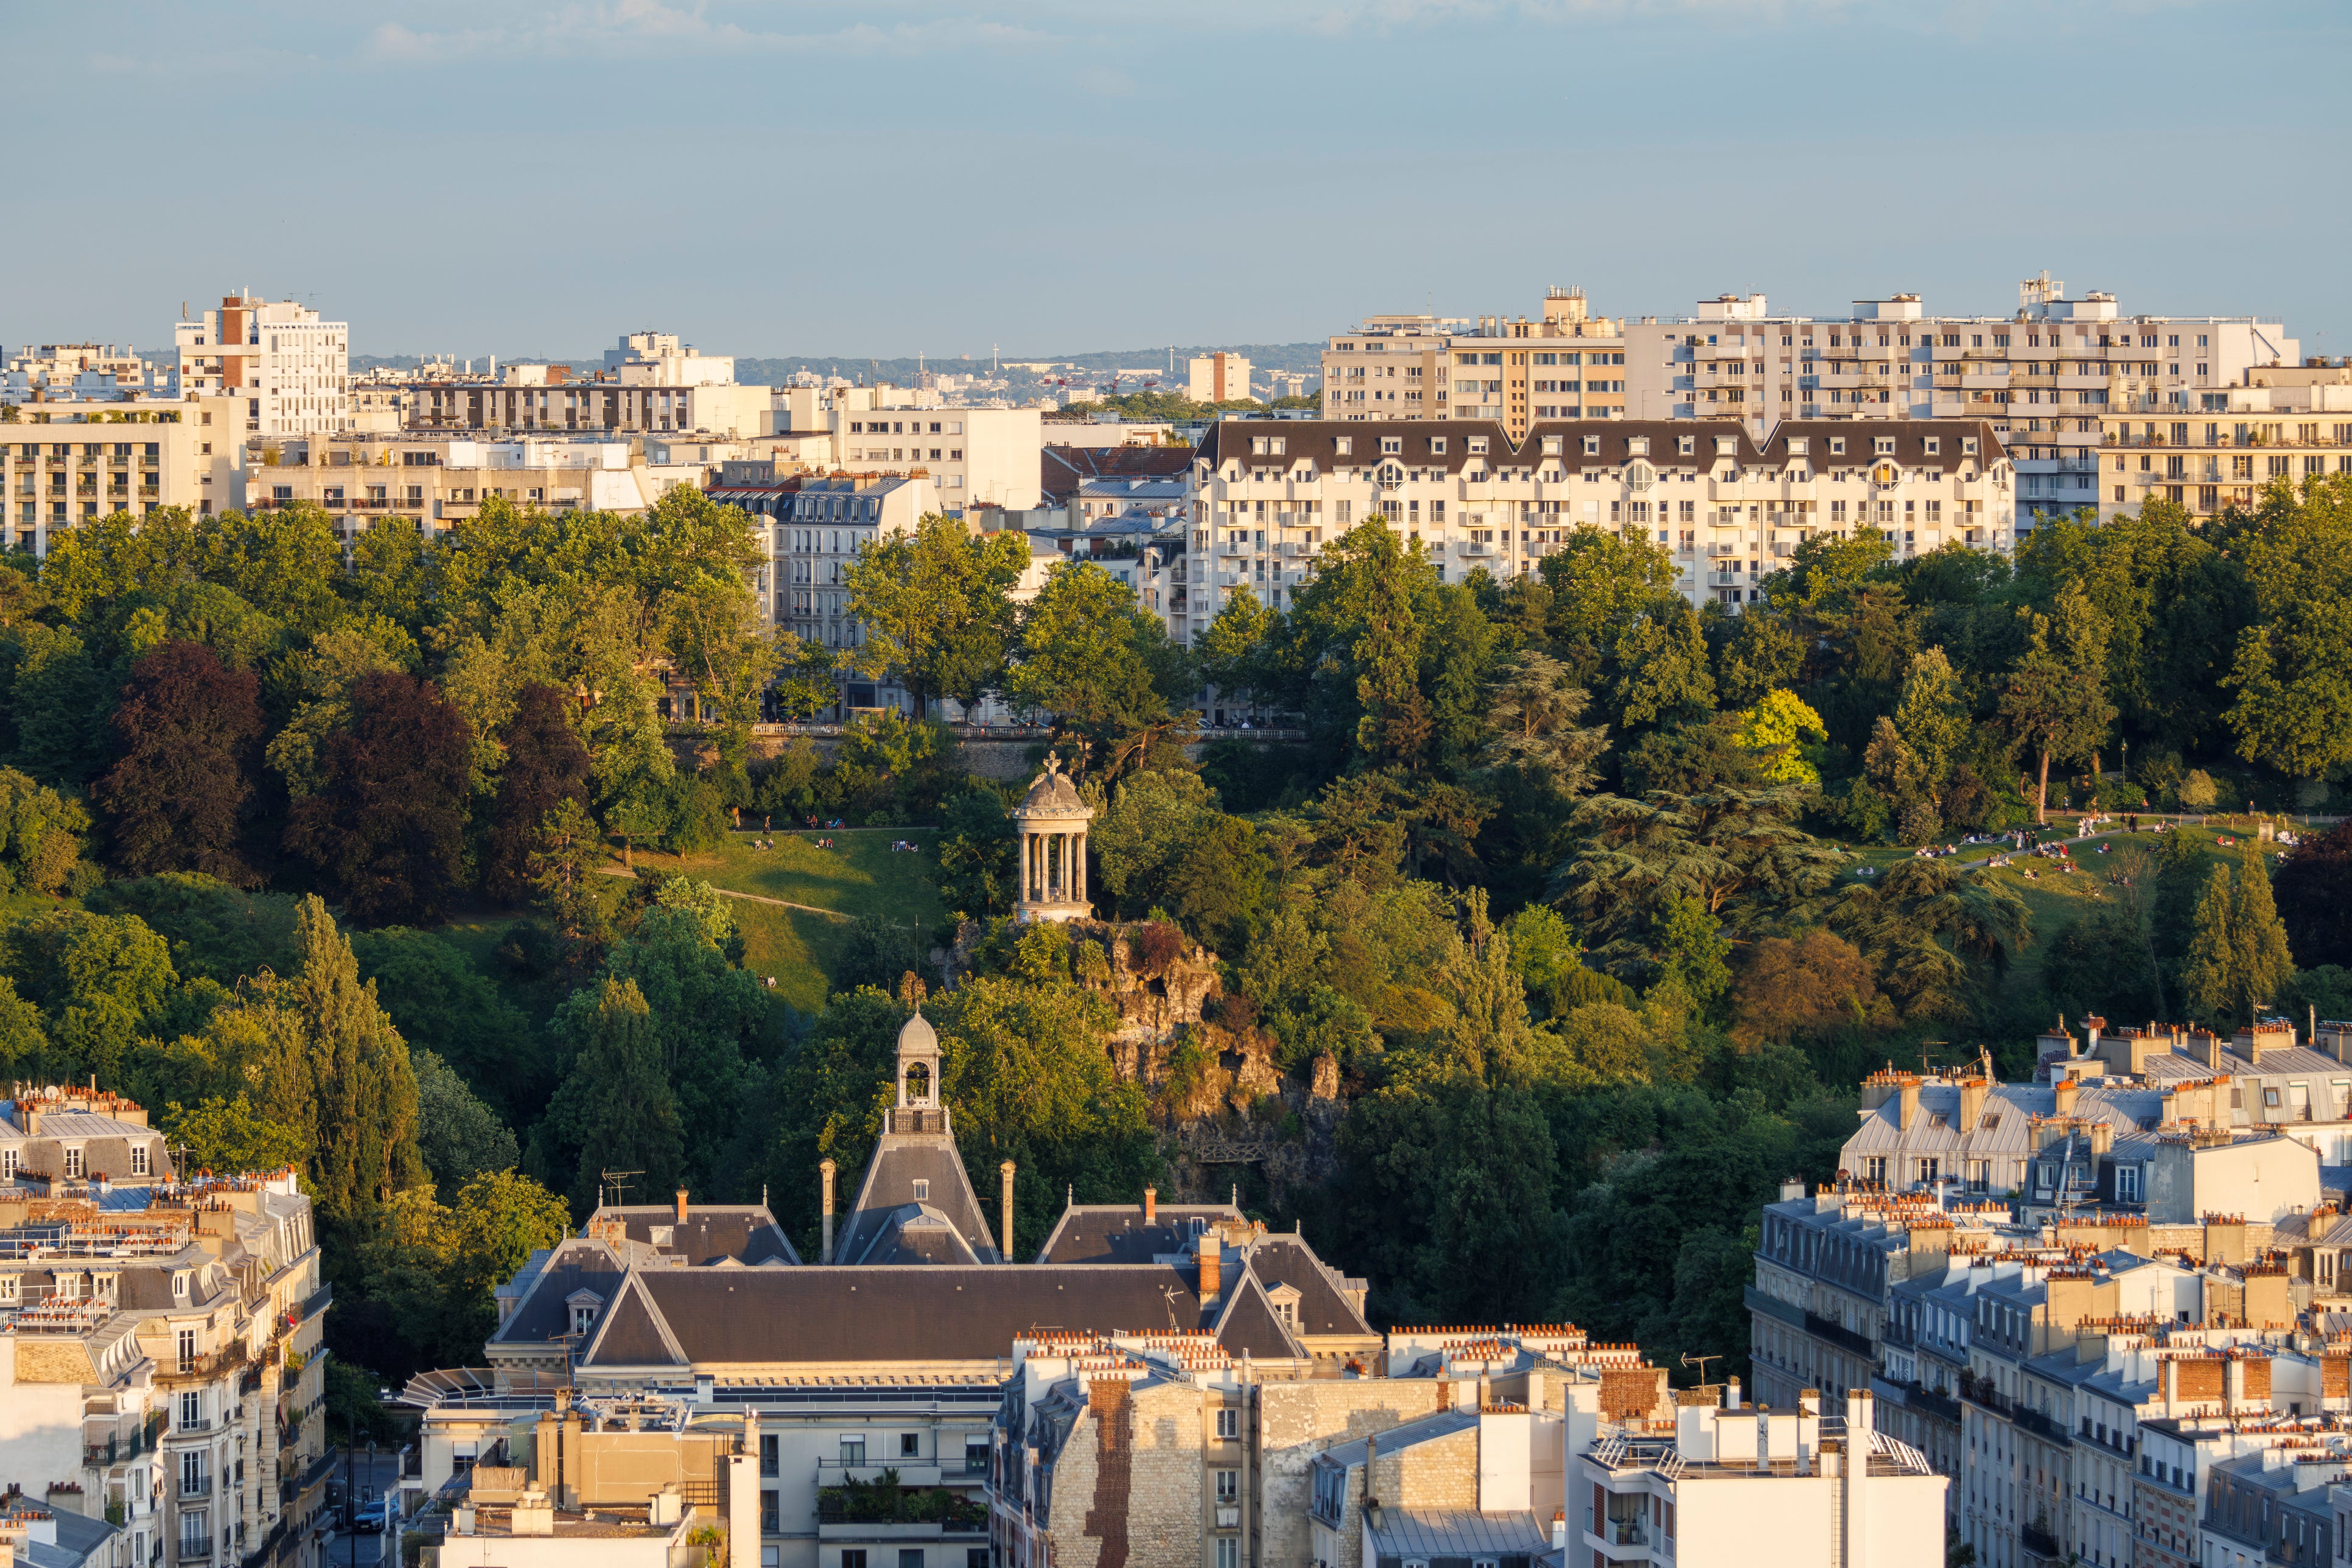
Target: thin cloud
{"x": 633, "y": 29}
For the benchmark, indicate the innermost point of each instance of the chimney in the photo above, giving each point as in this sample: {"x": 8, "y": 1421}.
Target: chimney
{"x": 2062, "y": 1092}
{"x": 1792, "y": 1188}
{"x": 1909, "y": 1110}
{"x": 1004, "y": 1206}
{"x": 1731, "y": 1395}
{"x": 1559, "y": 1530}
{"x": 825, "y": 1169}
{"x": 1152, "y": 1206}
{"x": 1972, "y": 1101}
{"x": 681, "y": 1205}
{"x": 1211, "y": 1260}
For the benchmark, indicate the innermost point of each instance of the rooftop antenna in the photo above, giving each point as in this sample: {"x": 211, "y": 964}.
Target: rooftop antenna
{"x": 1700, "y": 1362}
{"x": 619, "y": 1181}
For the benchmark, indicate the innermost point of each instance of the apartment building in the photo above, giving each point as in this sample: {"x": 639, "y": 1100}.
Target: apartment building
{"x": 161, "y": 1364}
{"x": 75, "y": 462}
{"x": 292, "y": 369}
{"x": 82, "y": 373}
{"x": 828, "y": 522}
{"x": 1786, "y": 1487}
{"x": 1266, "y": 495}
{"x": 1218, "y": 377}
{"x": 2289, "y": 424}
{"x": 2047, "y": 379}
{"x": 1432, "y": 367}
{"x": 974, "y": 457}
{"x": 429, "y": 483}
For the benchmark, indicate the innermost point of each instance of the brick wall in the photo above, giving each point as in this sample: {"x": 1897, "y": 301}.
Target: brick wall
{"x": 1129, "y": 1486}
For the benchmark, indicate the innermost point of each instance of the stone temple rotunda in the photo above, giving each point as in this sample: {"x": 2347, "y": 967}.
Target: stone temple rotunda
{"x": 1052, "y": 824}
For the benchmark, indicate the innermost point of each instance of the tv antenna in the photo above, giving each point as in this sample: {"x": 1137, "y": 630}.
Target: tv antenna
{"x": 619, "y": 1181}
{"x": 1701, "y": 1361}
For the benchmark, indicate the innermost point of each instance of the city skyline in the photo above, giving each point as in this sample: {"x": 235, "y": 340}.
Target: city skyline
{"x": 817, "y": 180}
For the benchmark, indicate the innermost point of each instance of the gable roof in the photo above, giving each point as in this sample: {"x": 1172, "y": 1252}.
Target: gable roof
{"x": 1280, "y": 1260}
{"x": 900, "y": 1160}
{"x": 1117, "y": 1233}
{"x": 949, "y": 1313}
{"x": 747, "y": 1233}
{"x": 1247, "y": 1325}
{"x": 1062, "y": 470}
{"x": 632, "y": 1333}
{"x": 541, "y": 1315}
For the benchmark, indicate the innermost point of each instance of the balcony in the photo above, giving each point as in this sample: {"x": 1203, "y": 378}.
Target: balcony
{"x": 192, "y": 1491}
{"x": 195, "y": 1551}
{"x": 1229, "y": 1518}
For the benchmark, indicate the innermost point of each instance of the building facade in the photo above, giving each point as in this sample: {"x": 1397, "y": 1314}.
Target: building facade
{"x": 65, "y": 464}
{"x": 290, "y": 369}
{"x": 2047, "y": 379}
{"x": 1432, "y": 367}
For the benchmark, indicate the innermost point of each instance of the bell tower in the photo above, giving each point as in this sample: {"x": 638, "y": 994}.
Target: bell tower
{"x": 920, "y": 1107}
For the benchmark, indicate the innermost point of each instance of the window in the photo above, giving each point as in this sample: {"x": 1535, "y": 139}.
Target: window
{"x": 1229, "y": 1552}
{"x": 853, "y": 1450}
{"x": 975, "y": 1557}
{"x": 770, "y": 1458}
{"x": 74, "y": 1169}
{"x": 191, "y": 1401}
{"x": 1391, "y": 443}
{"x": 1344, "y": 445}
{"x": 771, "y": 1516}
{"x": 1837, "y": 446}
{"x": 975, "y": 1456}
{"x": 922, "y": 1190}
{"x": 910, "y": 1444}
{"x": 853, "y": 1558}
{"x": 1228, "y": 1425}
{"x": 2126, "y": 1184}
{"x": 1229, "y": 1486}
{"x": 910, "y": 1557}
{"x": 8, "y": 1158}
{"x": 1437, "y": 445}
{"x": 180, "y": 1286}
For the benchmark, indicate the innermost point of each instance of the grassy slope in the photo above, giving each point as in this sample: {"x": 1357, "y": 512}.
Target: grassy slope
{"x": 862, "y": 876}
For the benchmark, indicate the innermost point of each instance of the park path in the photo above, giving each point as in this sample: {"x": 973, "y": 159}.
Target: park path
{"x": 747, "y": 898}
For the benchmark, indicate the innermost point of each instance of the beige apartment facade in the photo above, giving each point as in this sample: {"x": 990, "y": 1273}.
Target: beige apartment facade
{"x": 1267, "y": 495}
{"x": 430, "y": 484}
{"x": 1218, "y": 377}
{"x": 2047, "y": 378}
{"x": 292, "y": 369}
{"x": 2289, "y": 424}
{"x": 1431, "y": 367}
{"x": 69, "y": 463}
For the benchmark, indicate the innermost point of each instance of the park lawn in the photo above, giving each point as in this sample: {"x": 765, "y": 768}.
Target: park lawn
{"x": 796, "y": 947}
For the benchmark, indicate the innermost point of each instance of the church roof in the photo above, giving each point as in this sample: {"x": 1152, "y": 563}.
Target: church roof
{"x": 901, "y": 1160}
{"x": 917, "y": 1035}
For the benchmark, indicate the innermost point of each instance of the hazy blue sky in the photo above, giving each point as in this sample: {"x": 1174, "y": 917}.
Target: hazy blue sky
{"x": 893, "y": 176}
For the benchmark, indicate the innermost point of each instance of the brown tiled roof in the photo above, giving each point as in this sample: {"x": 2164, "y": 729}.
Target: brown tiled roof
{"x": 1861, "y": 437}
{"x": 1318, "y": 440}
{"x": 1062, "y": 470}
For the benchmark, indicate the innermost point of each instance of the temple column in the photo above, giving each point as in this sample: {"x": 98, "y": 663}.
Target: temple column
{"x": 1078, "y": 865}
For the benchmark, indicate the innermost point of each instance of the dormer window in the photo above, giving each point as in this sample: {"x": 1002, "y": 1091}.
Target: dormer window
{"x": 1934, "y": 445}
{"x": 1551, "y": 446}
{"x": 1884, "y": 446}
{"x": 140, "y": 1165}
{"x": 922, "y": 1190}
{"x": 1797, "y": 445}
{"x": 1393, "y": 444}
{"x": 581, "y": 1309}
{"x": 1726, "y": 446}
{"x": 1477, "y": 444}
{"x": 1686, "y": 446}
{"x": 1436, "y": 445}
{"x": 1344, "y": 446}
{"x": 1593, "y": 445}
{"x": 1637, "y": 446}
{"x": 1968, "y": 446}
{"x": 75, "y": 1165}
{"x": 1837, "y": 446}
{"x": 180, "y": 1285}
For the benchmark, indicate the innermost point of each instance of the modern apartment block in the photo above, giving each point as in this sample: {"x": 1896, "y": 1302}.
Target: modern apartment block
{"x": 69, "y": 463}
{"x": 650, "y": 384}
{"x": 2046, "y": 378}
{"x": 428, "y": 483}
{"x": 82, "y": 371}
{"x": 1267, "y": 495}
{"x": 1431, "y": 367}
{"x": 292, "y": 369}
{"x": 2285, "y": 423}
{"x": 1218, "y": 377}
{"x": 161, "y": 1362}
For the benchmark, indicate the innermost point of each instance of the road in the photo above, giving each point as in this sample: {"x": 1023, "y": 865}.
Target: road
{"x": 353, "y": 1551}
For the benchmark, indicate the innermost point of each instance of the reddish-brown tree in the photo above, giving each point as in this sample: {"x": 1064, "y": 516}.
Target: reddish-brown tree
{"x": 180, "y": 793}
{"x": 386, "y": 833}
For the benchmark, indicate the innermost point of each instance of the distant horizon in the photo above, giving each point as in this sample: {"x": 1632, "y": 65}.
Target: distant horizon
{"x": 945, "y": 176}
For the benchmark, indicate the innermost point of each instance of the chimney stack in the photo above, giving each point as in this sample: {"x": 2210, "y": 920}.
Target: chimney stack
{"x": 1211, "y": 1266}
{"x": 1005, "y": 1207}
{"x": 1152, "y": 1206}
{"x": 681, "y": 1205}
{"x": 825, "y": 1169}
{"x": 2062, "y": 1097}
{"x": 1731, "y": 1395}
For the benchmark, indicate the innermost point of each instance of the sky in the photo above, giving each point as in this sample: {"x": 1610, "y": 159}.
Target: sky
{"x": 774, "y": 177}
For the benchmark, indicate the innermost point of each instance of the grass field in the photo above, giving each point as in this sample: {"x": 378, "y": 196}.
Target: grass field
{"x": 799, "y": 947}
{"x": 2056, "y": 898}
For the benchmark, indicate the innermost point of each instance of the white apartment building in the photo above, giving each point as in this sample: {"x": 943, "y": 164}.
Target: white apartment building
{"x": 2290, "y": 423}
{"x": 973, "y": 456}
{"x": 1434, "y": 367}
{"x": 1218, "y": 377}
{"x": 82, "y": 372}
{"x": 292, "y": 369}
{"x": 419, "y": 482}
{"x": 2046, "y": 378}
{"x": 69, "y": 463}
{"x": 1266, "y": 495}
{"x": 817, "y": 536}
{"x": 658, "y": 359}
{"x": 1760, "y": 1487}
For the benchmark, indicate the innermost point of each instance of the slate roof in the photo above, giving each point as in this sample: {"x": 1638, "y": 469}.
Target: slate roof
{"x": 883, "y": 1314}
{"x": 1280, "y": 1260}
{"x": 1115, "y": 1233}
{"x": 888, "y": 1188}
{"x": 578, "y": 1264}
{"x": 1246, "y": 1325}
{"x": 746, "y": 1233}
{"x": 1613, "y": 443}
{"x": 1349, "y": 1455}
{"x": 1861, "y": 437}
{"x": 1433, "y": 1533}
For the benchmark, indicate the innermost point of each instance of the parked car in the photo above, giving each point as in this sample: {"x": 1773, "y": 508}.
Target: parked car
{"x": 372, "y": 1516}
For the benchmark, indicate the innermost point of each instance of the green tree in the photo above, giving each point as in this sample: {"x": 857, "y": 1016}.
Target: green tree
{"x": 1235, "y": 650}
{"x": 2211, "y": 981}
{"x": 1600, "y": 582}
{"x": 562, "y": 867}
{"x": 937, "y": 607}
{"x": 1738, "y": 852}
{"x": 1146, "y": 831}
{"x": 2294, "y": 707}
{"x": 614, "y": 1109}
{"x": 1932, "y": 717}
{"x": 2055, "y": 703}
{"x": 1784, "y": 725}
{"x": 1089, "y": 655}
{"x": 1351, "y": 649}
{"x": 1654, "y": 668}
{"x": 459, "y": 1137}
{"x": 224, "y": 1135}
{"x": 1533, "y": 713}
{"x": 1933, "y": 933}
{"x": 431, "y": 990}
{"x": 1692, "y": 950}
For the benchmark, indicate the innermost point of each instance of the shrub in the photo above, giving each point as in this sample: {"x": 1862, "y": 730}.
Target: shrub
{"x": 1920, "y": 823}
{"x": 1153, "y": 946}
{"x": 2197, "y": 790}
